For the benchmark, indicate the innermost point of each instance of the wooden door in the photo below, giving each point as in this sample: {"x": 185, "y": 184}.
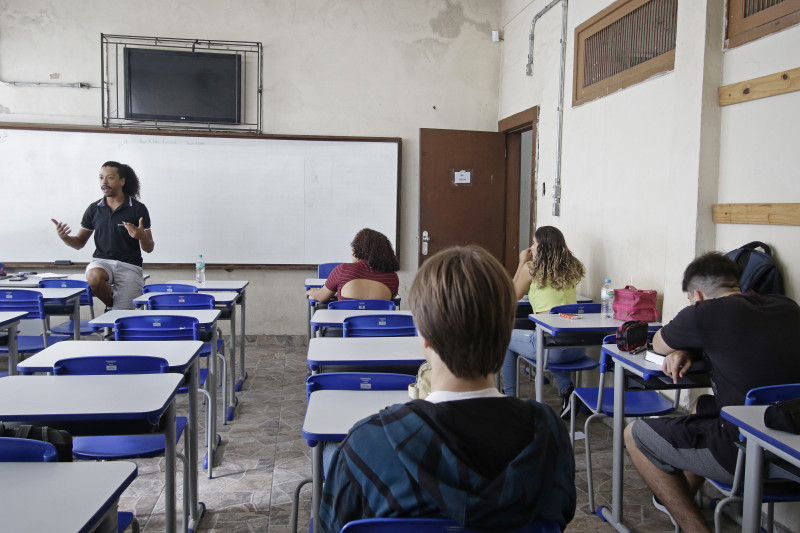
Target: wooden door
{"x": 462, "y": 190}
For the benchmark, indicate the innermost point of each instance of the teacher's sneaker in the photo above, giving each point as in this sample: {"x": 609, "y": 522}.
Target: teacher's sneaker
{"x": 663, "y": 508}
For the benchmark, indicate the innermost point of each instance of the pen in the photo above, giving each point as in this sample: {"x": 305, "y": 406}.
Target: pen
{"x": 640, "y": 349}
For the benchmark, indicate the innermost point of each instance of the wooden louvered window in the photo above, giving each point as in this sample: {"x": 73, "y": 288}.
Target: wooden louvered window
{"x": 750, "y": 19}
{"x": 628, "y": 42}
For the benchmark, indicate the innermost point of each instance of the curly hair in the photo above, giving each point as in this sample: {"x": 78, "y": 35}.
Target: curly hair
{"x": 554, "y": 263}
{"x": 131, "y": 187}
{"x": 374, "y": 248}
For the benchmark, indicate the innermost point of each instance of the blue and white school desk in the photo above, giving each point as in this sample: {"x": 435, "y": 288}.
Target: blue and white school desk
{"x": 240, "y": 287}
{"x": 9, "y": 320}
{"x": 329, "y": 416}
{"x": 648, "y": 375}
{"x": 363, "y": 351}
{"x": 61, "y": 297}
{"x": 79, "y": 497}
{"x": 550, "y": 326}
{"x": 181, "y": 356}
{"x": 207, "y": 319}
{"x": 223, "y": 300}
{"x": 750, "y": 420}
{"x": 133, "y": 397}
{"x": 334, "y": 318}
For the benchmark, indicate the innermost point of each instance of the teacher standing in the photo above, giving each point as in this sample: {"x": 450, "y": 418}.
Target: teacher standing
{"x": 121, "y": 227}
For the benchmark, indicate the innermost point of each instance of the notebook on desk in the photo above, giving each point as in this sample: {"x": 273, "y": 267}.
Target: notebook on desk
{"x": 654, "y": 357}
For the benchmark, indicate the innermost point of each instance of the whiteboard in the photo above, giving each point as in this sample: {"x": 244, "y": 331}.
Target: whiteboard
{"x": 237, "y": 200}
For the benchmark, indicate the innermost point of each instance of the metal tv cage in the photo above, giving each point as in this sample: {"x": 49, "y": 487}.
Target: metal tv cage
{"x": 112, "y": 52}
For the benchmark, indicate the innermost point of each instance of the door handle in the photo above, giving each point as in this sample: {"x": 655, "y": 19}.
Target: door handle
{"x": 425, "y": 240}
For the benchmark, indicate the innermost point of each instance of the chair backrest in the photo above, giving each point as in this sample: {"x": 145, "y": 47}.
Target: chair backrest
{"x": 575, "y": 308}
{"x": 14, "y": 450}
{"x": 431, "y": 525}
{"x": 772, "y": 393}
{"x": 101, "y": 365}
{"x": 168, "y": 287}
{"x": 22, "y": 300}
{"x": 86, "y": 296}
{"x": 388, "y": 325}
{"x": 358, "y": 381}
{"x": 156, "y": 327}
{"x": 324, "y": 269}
{"x": 373, "y": 305}
{"x": 366, "y": 289}
{"x": 181, "y": 300}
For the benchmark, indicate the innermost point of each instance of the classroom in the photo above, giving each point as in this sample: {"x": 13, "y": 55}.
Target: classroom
{"x": 637, "y": 169}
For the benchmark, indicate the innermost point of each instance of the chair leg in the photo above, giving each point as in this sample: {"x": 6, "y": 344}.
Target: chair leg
{"x": 296, "y": 504}
{"x": 185, "y": 490}
{"x": 718, "y": 511}
{"x": 770, "y": 517}
{"x": 223, "y": 365}
{"x": 588, "y": 451}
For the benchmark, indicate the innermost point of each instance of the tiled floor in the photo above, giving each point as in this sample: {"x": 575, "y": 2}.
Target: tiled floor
{"x": 263, "y": 456}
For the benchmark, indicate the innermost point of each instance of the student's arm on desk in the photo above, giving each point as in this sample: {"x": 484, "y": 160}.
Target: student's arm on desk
{"x": 320, "y": 294}
{"x": 677, "y": 362}
{"x": 73, "y": 241}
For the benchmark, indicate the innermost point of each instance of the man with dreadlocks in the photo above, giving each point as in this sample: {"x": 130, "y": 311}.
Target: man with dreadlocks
{"x": 121, "y": 226}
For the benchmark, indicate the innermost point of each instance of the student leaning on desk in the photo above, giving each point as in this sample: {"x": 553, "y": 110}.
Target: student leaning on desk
{"x": 466, "y": 452}
{"x": 748, "y": 341}
{"x": 121, "y": 226}
{"x": 372, "y": 274}
{"x": 548, "y": 273}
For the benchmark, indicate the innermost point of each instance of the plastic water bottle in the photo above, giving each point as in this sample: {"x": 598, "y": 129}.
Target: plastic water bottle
{"x": 607, "y": 300}
{"x": 200, "y": 269}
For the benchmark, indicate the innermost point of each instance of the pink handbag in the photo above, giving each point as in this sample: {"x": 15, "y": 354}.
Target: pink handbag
{"x": 632, "y": 304}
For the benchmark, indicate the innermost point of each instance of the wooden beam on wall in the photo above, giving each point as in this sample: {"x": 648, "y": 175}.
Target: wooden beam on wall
{"x": 775, "y": 214}
{"x": 770, "y": 85}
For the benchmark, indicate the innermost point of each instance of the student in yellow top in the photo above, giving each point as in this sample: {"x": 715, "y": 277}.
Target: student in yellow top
{"x": 548, "y": 273}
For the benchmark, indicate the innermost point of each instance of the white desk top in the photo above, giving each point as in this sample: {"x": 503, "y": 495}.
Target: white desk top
{"x": 750, "y": 418}
{"x": 33, "y": 280}
{"x": 66, "y": 497}
{"x": 315, "y": 282}
{"x": 125, "y": 397}
{"x": 224, "y": 298}
{"x": 51, "y": 294}
{"x": 214, "y": 285}
{"x": 335, "y": 317}
{"x": 554, "y": 323}
{"x": 10, "y": 317}
{"x": 179, "y": 354}
{"x": 331, "y": 413}
{"x": 206, "y": 317}
{"x": 364, "y": 350}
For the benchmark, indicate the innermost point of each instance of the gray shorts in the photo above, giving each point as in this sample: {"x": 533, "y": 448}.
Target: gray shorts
{"x": 672, "y": 459}
{"x": 126, "y": 280}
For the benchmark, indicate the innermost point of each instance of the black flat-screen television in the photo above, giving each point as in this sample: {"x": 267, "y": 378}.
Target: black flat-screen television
{"x": 183, "y": 86}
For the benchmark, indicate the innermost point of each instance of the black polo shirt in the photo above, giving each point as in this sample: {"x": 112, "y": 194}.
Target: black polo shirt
{"x": 111, "y": 239}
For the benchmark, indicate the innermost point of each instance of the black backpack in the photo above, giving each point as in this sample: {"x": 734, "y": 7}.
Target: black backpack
{"x": 57, "y": 437}
{"x": 759, "y": 272}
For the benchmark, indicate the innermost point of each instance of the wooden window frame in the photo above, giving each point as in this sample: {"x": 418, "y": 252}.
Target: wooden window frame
{"x": 741, "y": 30}
{"x": 580, "y": 95}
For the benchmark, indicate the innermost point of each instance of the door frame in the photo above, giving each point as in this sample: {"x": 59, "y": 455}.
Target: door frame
{"x": 513, "y": 126}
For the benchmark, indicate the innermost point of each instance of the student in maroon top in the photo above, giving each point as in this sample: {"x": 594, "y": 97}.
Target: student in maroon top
{"x": 371, "y": 274}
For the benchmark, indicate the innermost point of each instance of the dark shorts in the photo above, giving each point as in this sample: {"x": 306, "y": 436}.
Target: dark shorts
{"x": 695, "y": 443}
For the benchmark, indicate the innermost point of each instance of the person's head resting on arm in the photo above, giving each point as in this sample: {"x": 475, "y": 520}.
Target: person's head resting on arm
{"x": 712, "y": 275}
{"x": 374, "y": 248}
{"x": 463, "y": 305}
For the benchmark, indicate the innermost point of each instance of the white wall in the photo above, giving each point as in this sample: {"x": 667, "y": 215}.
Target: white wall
{"x": 341, "y": 67}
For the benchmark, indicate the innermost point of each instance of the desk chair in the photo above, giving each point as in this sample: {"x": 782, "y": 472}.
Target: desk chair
{"x": 191, "y": 301}
{"x": 168, "y": 287}
{"x": 431, "y": 525}
{"x": 578, "y": 339}
{"x": 87, "y": 300}
{"x": 324, "y": 269}
{"x": 376, "y": 305}
{"x": 388, "y": 325}
{"x": 118, "y": 447}
{"x": 777, "y": 471}
{"x": 14, "y": 450}
{"x": 345, "y": 381}
{"x": 600, "y": 401}
{"x": 30, "y": 302}
{"x": 165, "y": 328}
